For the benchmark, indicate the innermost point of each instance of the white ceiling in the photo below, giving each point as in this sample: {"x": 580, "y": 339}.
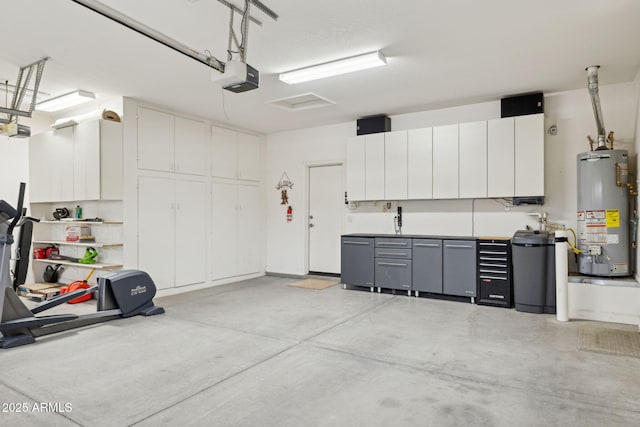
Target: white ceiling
{"x": 440, "y": 53}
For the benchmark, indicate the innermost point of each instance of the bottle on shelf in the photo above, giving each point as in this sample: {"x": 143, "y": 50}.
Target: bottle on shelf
{"x": 78, "y": 212}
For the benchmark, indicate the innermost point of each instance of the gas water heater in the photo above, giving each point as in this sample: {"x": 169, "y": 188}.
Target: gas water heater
{"x": 603, "y": 202}
{"x": 603, "y": 213}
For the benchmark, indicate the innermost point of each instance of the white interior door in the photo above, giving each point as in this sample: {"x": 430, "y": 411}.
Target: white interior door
{"x": 326, "y": 210}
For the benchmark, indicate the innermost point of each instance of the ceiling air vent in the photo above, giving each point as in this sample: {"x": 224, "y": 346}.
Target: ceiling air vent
{"x": 301, "y": 102}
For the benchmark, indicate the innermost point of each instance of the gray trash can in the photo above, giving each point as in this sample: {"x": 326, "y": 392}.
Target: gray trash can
{"x": 530, "y": 272}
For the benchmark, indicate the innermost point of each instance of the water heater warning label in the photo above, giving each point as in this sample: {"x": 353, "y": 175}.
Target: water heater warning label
{"x": 595, "y": 217}
{"x": 594, "y": 229}
{"x": 613, "y": 218}
{"x": 595, "y": 232}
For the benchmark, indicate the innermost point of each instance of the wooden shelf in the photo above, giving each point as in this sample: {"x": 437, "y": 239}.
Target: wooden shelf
{"x": 84, "y": 245}
{"x": 81, "y": 222}
{"x": 97, "y": 265}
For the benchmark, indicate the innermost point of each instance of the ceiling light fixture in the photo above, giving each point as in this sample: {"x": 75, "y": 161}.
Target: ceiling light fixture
{"x": 65, "y": 101}
{"x": 334, "y": 68}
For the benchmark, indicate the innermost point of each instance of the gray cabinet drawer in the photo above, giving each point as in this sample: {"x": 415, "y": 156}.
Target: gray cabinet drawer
{"x": 393, "y": 253}
{"x": 393, "y": 273}
{"x": 393, "y": 242}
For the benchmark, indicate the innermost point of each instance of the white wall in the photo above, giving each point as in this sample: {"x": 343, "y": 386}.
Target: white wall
{"x": 15, "y": 152}
{"x": 571, "y": 111}
{"x": 292, "y": 152}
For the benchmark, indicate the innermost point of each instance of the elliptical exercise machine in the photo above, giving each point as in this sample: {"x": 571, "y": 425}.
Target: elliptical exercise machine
{"x": 124, "y": 293}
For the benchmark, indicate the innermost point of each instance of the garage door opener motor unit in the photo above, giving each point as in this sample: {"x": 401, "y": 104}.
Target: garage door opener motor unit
{"x": 603, "y": 201}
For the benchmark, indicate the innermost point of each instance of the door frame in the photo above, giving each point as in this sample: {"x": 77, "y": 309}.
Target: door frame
{"x": 307, "y": 202}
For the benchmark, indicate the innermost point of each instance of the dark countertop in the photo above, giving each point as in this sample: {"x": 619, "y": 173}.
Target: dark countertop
{"x": 411, "y": 236}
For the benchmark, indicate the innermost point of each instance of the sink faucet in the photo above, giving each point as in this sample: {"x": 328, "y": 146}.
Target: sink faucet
{"x": 397, "y": 221}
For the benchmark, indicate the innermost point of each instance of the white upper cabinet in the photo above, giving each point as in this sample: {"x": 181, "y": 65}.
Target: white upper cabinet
{"x": 445, "y": 162}
{"x": 374, "y": 170}
{"x": 420, "y": 163}
{"x": 473, "y": 160}
{"x": 248, "y": 157}
{"x": 500, "y": 158}
{"x": 190, "y": 146}
{"x": 224, "y": 163}
{"x": 81, "y": 162}
{"x": 62, "y": 161}
{"x": 86, "y": 173}
{"x": 155, "y": 140}
{"x": 51, "y": 166}
{"x": 171, "y": 144}
{"x": 529, "y": 155}
{"x": 235, "y": 155}
{"x": 355, "y": 168}
{"x": 395, "y": 165}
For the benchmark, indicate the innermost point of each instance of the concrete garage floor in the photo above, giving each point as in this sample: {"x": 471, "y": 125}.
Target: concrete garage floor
{"x": 261, "y": 353}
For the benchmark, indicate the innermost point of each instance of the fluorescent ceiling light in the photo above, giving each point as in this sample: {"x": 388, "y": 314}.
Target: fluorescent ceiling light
{"x": 65, "y": 101}
{"x": 334, "y": 68}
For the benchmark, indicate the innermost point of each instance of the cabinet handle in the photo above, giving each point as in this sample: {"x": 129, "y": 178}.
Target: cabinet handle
{"x": 493, "y": 244}
{"x": 392, "y": 264}
{"x": 459, "y": 246}
{"x": 391, "y": 244}
{"x": 484, "y": 258}
{"x": 496, "y": 296}
{"x": 493, "y": 252}
{"x": 427, "y": 245}
{"x": 484, "y": 264}
{"x": 351, "y": 242}
{"x": 393, "y": 253}
{"x": 493, "y": 277}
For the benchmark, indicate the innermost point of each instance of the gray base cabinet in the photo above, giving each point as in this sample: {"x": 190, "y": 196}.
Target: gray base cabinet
{"x": 427, "y": 265}
{"x": 459, "y": 268}
{"x": 393, "y": 263}
{"x": 357, "y": 261}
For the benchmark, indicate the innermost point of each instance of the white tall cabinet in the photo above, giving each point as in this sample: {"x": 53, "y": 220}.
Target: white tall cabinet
{"x": 199, "y": 200}
{"x": 172, "y": 246}
{"x": 445, "y": 162}
{"x": 235, "y": 229}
